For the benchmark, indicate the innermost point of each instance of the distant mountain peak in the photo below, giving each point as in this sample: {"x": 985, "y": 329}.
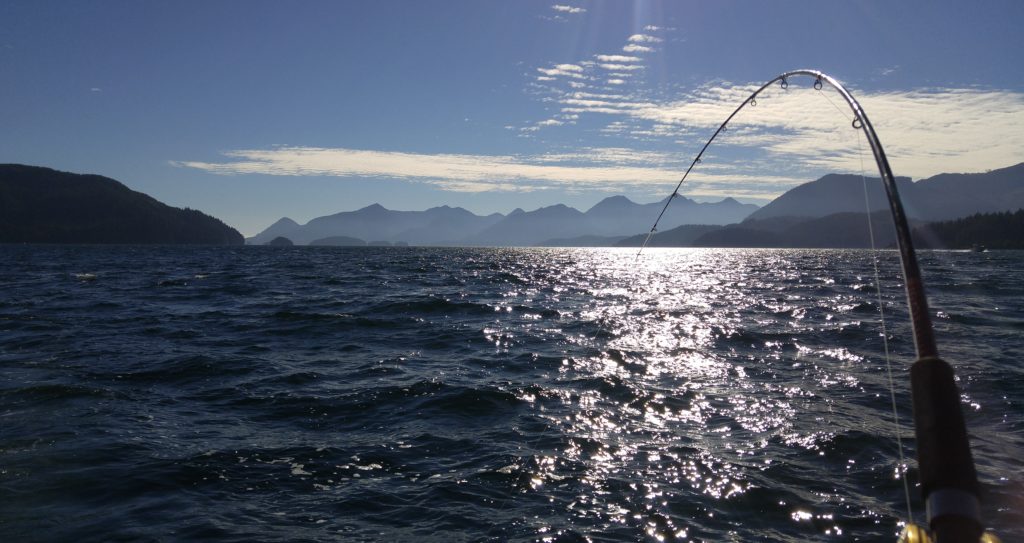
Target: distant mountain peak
{"x": 612, "y": 203}
{"x": 284, "y": 221}
{"x": 557, "y": 210}
{"x": 679, "y": 197}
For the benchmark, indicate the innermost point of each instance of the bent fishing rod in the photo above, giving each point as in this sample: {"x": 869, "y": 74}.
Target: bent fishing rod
{"x": 949, "y": 483}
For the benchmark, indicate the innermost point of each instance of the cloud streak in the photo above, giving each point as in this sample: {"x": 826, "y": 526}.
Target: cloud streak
{"x": 788, "y": 136}
{"x": 643, "y": 38}
{"x": 568, "y": 9}
{"x": 796, "y": 134}
{"x": 623, "y": 65}
{"x": 566, "y": 70}
{"x": 634, "y": 48}
{"x": 925, "y": 131}
{"x": 605, "y": 169}
{"x": 467, "y": 172}
{"x": 617, "y": 58}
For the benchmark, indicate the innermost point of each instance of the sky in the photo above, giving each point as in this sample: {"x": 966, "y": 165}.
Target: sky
{"x": 251, "y": 111}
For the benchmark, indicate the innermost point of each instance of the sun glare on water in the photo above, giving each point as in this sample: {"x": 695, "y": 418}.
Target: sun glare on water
{"x": 705, "y": 370}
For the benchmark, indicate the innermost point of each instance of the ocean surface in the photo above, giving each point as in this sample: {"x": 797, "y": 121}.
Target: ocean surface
{"x": 420, "y": 394}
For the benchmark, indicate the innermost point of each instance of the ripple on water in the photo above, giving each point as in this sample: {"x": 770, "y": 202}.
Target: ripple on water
{"x": 330, "y": 394}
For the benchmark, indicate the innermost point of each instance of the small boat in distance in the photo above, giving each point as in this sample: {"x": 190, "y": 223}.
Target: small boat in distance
{"x": 978, "y": 248}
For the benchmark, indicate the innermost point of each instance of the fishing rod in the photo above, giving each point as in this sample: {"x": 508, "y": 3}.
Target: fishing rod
{"x": 949, "y": 482}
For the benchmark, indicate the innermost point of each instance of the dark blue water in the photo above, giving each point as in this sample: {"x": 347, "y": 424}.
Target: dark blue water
{"x": 403, "y": 394}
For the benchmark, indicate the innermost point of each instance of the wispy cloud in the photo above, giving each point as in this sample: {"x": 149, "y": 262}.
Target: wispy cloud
{"x": 805, "y": 132}
{"x": 612, "y": 156}
{"x": 795, "y": 134}
{"x": 925, "y": 131}
{"x": 594, "y": 168}
{"x": 567, "y": 70}
{"x": 643, "y": 38}
{"x": 801, "y": 132}
{"x": 634, "y": 48}
{"x": 568, "y": 9}
{"x": 559, "y": 82}
{"x": 617, "y": 58}
{"x": 436, "y": 168}
{"x": 571, "y": 84}
{"x": 621, "y": 67}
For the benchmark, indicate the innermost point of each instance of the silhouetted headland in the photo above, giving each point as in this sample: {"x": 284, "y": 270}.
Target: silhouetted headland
{"x": 41, "y": 205}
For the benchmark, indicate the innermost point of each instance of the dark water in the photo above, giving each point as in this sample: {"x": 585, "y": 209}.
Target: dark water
{"x": 327, "y": 394}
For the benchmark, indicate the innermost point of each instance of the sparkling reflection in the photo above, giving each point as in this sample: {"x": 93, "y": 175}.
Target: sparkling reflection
{"x": 704, "y": 376}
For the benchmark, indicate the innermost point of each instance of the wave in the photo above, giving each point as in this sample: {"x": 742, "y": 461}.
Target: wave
{"x": 484, "y": 395}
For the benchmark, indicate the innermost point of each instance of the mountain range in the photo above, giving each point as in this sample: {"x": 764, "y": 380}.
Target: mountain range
{"x": 831, "y": 212}
{"x": 613, "y": 216}
{"x": 942, "y": 197}
{"x": 828, "y": 212}
{"x": 41, "y": 205}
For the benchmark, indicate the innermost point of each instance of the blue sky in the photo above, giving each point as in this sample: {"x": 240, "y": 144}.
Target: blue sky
{"x": 251, "y": 111}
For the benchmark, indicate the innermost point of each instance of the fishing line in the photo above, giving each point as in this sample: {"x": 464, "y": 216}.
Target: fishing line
{"x": 885, "y": 336}
{"x": 901, "y": 468}
{"x": 751, "y": 100}
{"x": 949, "y": 482}
{"x": 881, "y": 313}
{"x": 858, "y": 123}
{"x": 845, "y": 116}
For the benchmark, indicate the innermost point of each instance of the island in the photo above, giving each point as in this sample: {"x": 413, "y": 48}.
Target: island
{"x": 280, "y": 241}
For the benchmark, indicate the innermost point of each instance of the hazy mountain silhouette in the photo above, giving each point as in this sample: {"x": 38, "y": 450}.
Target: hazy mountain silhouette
{"x": 282, "y": 228}
{"x": 827, "y": 212}
{"x": 941, "y": 197}
{"x": 583, "y": 241}
{"x": 339, "y": 241}
{"x": 680, "y": 236}
{"x": 954, "y": 195}
{"x": 446, "y": 226}
{"x": 830, "y": 213}
{"x": 41, "y": 205}
{"x": 619, "y": 215}
{"x": 838, "y": 230}
{"x": 438, "y": 225}
{"x": 833, "y": 193}
{"x": 613, "y": 217}
{"x": 532, "y": 227}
